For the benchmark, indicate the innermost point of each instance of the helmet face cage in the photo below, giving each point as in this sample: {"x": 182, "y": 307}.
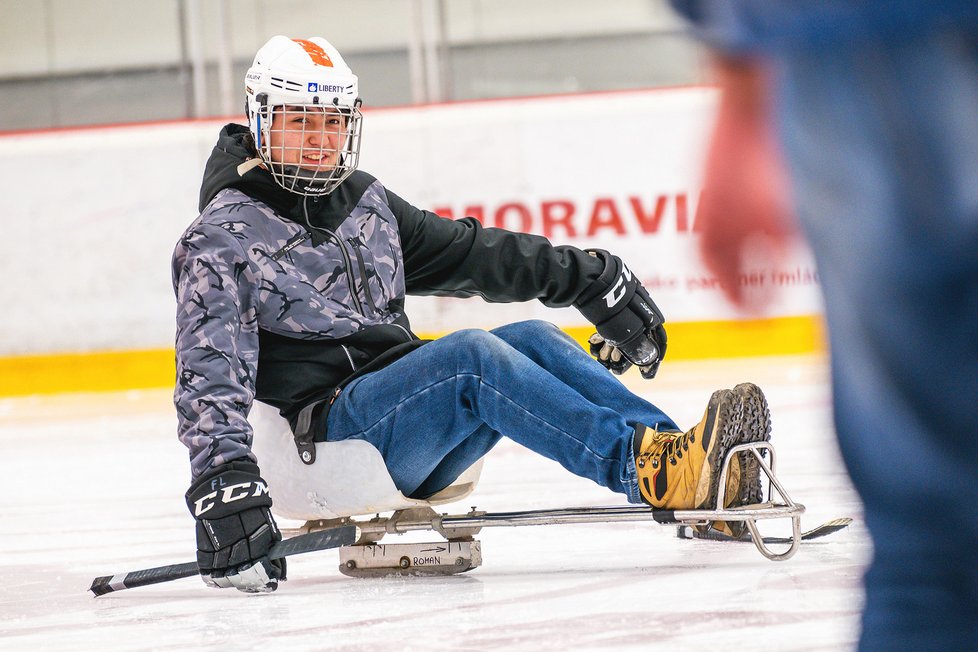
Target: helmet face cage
{"x": 309, "y": 149}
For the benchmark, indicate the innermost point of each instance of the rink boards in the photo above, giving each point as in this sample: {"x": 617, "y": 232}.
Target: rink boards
{"x": 93, "y": 309}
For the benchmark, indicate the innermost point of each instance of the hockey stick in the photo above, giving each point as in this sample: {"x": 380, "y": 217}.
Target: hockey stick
{"x": 331, "y": 538}
{"x": 825, "y": 529}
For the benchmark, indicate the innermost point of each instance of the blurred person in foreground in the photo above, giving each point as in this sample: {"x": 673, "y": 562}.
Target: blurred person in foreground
{"x": 863, "y": 117}
{"x": 291, "y": 290}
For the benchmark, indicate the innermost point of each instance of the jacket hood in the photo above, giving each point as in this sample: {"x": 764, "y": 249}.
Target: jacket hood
{"x": 233, "y": 163}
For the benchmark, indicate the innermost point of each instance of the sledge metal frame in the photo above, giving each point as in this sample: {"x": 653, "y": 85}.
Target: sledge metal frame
{"x": 465, "y": 526}
{"x": 358, "y": 537}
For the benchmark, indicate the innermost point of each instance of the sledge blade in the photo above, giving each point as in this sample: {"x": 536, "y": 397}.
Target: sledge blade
{"x": 418, "y": 559}
{"x": 823, "y": 530}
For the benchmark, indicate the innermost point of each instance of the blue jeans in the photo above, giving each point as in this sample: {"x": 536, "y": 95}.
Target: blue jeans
{"x": 439, "y": 409}
{"x": 882, "y": 142}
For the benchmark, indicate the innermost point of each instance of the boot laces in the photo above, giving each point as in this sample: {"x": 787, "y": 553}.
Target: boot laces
{"x": 666, "y": 445}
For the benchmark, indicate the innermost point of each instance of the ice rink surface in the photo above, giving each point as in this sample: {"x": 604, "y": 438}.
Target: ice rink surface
{"x": 93, "y": 485}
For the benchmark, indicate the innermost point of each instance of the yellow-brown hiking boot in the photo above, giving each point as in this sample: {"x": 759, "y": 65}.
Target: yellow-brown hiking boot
{"x": 682, "y": 470}
{"x": 744, "y": 475}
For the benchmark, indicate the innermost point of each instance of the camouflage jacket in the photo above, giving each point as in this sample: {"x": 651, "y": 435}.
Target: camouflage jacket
{"x": 284, "y": 299}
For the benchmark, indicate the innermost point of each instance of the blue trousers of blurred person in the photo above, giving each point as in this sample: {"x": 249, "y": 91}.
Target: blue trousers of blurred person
{"x": 882, "y": 142}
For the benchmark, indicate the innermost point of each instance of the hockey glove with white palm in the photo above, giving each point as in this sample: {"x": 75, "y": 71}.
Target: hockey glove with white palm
{"x": 608, "y": 355}
{"x": 630, "y": 326}
{"x": 235, "y": 529}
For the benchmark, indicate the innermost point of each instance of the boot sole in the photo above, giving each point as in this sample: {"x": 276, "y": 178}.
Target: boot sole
{"x": 726, "y": 432}
{"x": 754, "y": 422}
{"x": 755, "y": 419}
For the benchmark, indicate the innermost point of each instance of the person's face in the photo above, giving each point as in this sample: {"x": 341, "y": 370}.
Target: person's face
{"x": 309, "y": 137}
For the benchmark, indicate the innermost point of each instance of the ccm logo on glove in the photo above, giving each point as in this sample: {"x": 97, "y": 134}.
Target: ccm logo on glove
{"x": 228, "y": 495}
{"x": 617, "y": 292}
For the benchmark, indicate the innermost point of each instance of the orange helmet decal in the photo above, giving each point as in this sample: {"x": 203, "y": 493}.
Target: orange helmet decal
{"x": 315, "y": 52}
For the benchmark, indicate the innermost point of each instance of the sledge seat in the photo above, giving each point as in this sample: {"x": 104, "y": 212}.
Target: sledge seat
{"x": 348, "y": 478}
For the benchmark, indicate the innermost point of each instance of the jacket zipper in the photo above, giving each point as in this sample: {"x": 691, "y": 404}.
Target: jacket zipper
{"x": 347, "y": 263}
{"x": 355, "y": 243}
{"x": 293, "y": 242}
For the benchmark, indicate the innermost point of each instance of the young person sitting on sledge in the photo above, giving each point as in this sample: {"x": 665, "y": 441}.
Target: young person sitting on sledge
{"x": 290, "y": 289}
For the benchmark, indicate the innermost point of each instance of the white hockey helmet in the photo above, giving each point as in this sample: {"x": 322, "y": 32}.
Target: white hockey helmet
{"x": 304, "y": 113}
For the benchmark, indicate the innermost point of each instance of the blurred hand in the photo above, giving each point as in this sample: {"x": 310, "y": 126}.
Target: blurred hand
{"x": 744, "y": 213}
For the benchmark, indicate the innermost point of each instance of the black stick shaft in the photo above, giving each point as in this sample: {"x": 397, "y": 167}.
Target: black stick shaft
{"x": 322, "y": 540}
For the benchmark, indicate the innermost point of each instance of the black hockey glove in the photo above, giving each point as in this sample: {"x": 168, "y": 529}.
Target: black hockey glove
{"x": 235, "y": 529}
{"x": 630, "y": 326}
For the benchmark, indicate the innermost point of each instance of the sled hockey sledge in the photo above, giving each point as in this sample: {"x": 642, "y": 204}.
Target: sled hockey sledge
{"x": 350, "y": 480}
{"x": 458, "y": 550}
